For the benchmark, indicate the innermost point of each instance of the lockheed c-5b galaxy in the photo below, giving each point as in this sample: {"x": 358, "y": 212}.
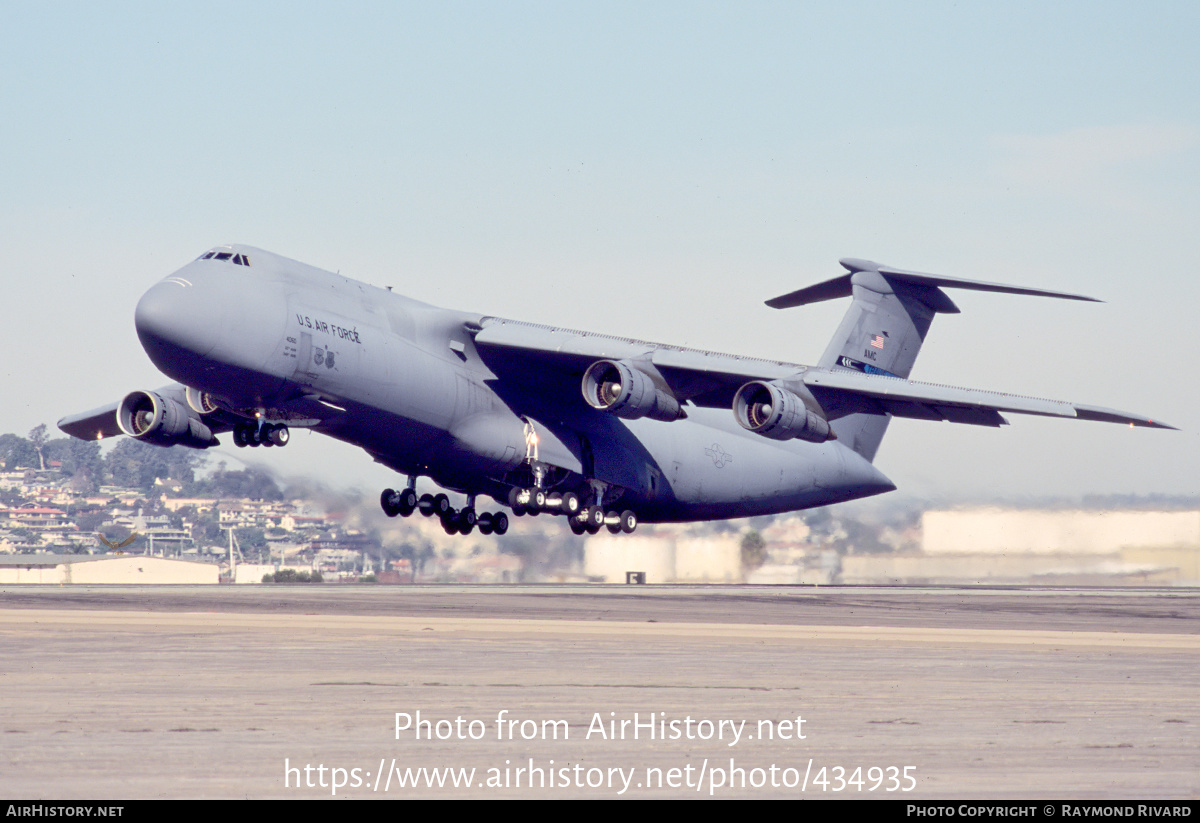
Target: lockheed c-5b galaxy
{"x": 602, "y": 430}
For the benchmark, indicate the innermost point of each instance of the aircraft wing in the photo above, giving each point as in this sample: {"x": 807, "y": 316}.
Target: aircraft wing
{"x": 555, "y": 359}
{"x": 101, "y": 422}
{"x": 842, "y": 391}
{"x": 538, "y": 354}
{"x": 96, "y": 424}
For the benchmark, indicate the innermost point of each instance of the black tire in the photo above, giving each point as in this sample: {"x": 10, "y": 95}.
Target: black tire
{"x": 279, "y": 435}
{"x": 427, "y": 505}
{"x": 629, "y": 522}
{"x": 441, "y": 505}
{"x": 408, "y": 502}
{"x": 570, "y": 504}
{"x": 513, "y": 502}
{"x": 387, "y": 502}
{"x": 499, "y": 522}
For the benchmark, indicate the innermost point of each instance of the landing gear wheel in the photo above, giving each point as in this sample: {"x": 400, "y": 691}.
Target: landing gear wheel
{"x": 441, "y": 505}
{"x": 240, "y": 436}
{"x": 426, "y": 505}
{"x": 450, "y": 524}
{"x": 628, "y": 522}
{"x": 595, "y": 519}
{"x": 570, "y": 504}
{"x": 499, "y": 523}
{"x": 514, "y": 498}
{"x": 407, "y": 502}
{"x": 389, "y": 503}
{"x": 577, "y": 527}
{"x": 279, "y": 435}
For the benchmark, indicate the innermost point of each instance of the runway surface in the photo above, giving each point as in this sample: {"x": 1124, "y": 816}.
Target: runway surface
{"x": 599, "y": 691}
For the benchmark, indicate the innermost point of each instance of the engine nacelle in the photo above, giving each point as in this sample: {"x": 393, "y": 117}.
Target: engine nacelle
{"x": 151, "y": 418}
{"x": 200, "y": 402}
{"x": 619, "y": 387}
{"x": 777, "y": 412}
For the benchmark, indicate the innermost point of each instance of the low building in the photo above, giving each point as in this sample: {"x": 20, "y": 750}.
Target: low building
{"x": 1017, "y": 546}
{"x": 61, "y": 569}
{"x": 664, "y": 559}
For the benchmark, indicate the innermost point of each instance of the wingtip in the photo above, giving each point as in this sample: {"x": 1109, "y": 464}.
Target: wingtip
{"x": 1114, "y": 416}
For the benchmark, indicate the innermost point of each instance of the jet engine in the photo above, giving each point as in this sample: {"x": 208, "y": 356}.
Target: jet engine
{"x": 619, "y": 387}
{"x": 151, "y": 418}
{"x": 776, "y": 411}
{"x": 201, "y": 402}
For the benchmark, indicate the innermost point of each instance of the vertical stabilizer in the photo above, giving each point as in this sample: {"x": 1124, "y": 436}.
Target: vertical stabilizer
{"x": 882, "y": 332}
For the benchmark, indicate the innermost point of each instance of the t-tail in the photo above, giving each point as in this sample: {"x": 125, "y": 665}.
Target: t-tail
{"x": 882, "y": 333}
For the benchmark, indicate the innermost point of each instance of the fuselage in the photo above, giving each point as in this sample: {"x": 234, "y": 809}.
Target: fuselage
{"x": 273, "y": 338}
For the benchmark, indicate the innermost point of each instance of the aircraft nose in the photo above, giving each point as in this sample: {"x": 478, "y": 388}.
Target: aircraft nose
{"x": 171, "y": 325}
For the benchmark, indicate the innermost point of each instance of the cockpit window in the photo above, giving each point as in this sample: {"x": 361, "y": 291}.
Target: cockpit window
{"x": 236, "y": 259}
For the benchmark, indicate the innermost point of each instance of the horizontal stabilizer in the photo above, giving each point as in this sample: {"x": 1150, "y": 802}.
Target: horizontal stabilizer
{"x": 842, "y": 286}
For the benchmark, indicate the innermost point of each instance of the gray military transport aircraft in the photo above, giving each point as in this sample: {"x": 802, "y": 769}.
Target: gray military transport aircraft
{"x": 603, "y": 430}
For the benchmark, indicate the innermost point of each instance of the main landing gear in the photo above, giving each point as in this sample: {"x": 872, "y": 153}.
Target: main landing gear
{"x": 535, "y": 500}
{"x": 582, "y": 520}
{"x": 461, "y": 521}
{"x": 260, "y": 434}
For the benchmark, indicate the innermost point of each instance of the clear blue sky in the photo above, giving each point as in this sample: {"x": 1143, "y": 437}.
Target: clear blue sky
{"x": 655, "y": 169}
